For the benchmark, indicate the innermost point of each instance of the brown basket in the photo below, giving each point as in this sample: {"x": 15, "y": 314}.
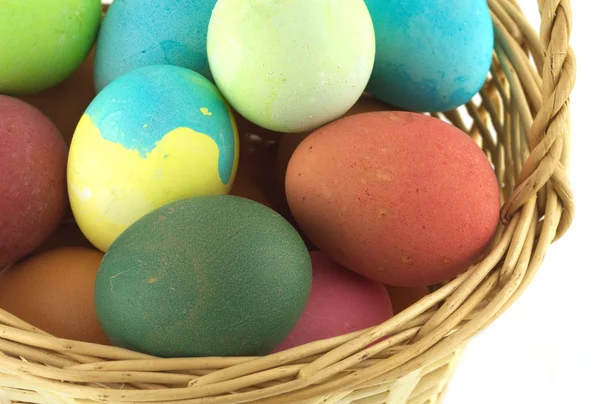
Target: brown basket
{"x": 521, "y": 120}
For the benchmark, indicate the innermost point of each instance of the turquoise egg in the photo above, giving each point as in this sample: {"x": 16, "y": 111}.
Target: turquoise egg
{"x": 431, "y": 55}
{"x": 137, "y": 33}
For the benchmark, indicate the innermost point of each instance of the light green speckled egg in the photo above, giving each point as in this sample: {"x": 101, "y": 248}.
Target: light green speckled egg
{"x": 292, "y": 65}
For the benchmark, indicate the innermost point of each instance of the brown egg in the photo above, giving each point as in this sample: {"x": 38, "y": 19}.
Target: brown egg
{"x": 54, "y": 291}
{"x": 65, "y": 103}
{"x": 403, "y": 298}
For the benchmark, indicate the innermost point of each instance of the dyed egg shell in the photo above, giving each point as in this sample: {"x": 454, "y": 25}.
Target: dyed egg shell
{"x": 32, "y": 179}
{"x": 401, "y": 198}
{"x": 153, "y": 136}
{"x": 291, "y": 66}
{"x": 44, "y": 41}
{"x": 431, "y": 55}
{"x": 54, "y": 291}
{"x": 289, "y": 141}
{"x": 137, "y": 33}
{"x": 340, "y": 302}
{"x": 205, "y": 276}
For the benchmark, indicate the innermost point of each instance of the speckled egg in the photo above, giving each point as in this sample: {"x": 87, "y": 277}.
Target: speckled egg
{"x": 205, "y": 276}
{"x": 289, "y": 141}
{"x": 431, "y": 55}
{"x": 293, "y": 65}
{"x": 398, "y": 197}
{"x": 44, "y": 41}
{"x": 153, "y": 136}
{"x": 137, "y": 33}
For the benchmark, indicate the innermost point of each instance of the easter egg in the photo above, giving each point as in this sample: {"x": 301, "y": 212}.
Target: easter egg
{"x": 153, "y": 136}
{"x": 289, "y": 141}
{"x": 291, "y": 66}
{"x": 54, "y": 291}
{"x": 32, "y": 179}
{"x": 431, "y": 55}
{"x": 44, "y": 41}
{"x": 340, "y": 302}
{"x": 399, "y": 197}
{"x": 137, "y": 33}
{"x": 205, "y": 276}
{"x": 403, "y": 298}
{"x": 65, "y": 103}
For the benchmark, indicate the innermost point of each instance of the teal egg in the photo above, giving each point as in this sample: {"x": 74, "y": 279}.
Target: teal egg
{"x": 137, "y": 33}
{"x": 206, "y": 276}
{"x": 431, "y": 55}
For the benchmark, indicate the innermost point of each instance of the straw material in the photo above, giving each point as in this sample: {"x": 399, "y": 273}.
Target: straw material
{"x": 520, "y": 119}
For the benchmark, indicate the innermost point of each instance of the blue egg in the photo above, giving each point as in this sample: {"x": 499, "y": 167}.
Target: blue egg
{"x": 432, "y": 55}
{"x": 137, "y": 33}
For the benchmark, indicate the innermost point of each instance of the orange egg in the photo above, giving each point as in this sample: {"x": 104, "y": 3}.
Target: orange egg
{"x": 54, "y": 291}
{"x": 401, "y": 198}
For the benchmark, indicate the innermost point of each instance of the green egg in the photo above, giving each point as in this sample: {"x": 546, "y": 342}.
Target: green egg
{"x": 44, "y": 41}
{"x": 205, "y": 276}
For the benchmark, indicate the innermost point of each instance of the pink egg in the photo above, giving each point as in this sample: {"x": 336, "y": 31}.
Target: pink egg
{"x": 340, "y": 302}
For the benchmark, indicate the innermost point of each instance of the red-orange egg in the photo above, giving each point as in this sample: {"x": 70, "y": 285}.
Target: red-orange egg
{"x": 398, "y": 197}
{"x": 288, "y": 142}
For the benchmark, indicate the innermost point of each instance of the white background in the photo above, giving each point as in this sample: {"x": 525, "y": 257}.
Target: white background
{"x": 545, "y": 349}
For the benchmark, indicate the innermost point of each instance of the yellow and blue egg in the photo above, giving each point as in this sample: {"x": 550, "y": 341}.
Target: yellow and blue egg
{"x": 153, "y": 136}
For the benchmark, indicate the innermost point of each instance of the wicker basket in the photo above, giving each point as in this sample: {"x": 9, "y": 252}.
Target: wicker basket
{"x": 521, "y": 120}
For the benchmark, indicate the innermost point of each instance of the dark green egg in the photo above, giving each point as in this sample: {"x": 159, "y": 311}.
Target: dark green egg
{"x": 206, "y": 276}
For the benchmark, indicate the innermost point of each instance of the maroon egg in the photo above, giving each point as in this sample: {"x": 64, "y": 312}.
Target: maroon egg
{"x": 33, "y": 158}
{"x": 340, "y": 302}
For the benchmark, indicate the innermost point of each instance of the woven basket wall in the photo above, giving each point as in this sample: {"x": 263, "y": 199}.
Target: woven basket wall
{"x": 521, "y": 119}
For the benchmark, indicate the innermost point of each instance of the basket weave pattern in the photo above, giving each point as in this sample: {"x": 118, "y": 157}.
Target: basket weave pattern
{"x": 520, "y": 119}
